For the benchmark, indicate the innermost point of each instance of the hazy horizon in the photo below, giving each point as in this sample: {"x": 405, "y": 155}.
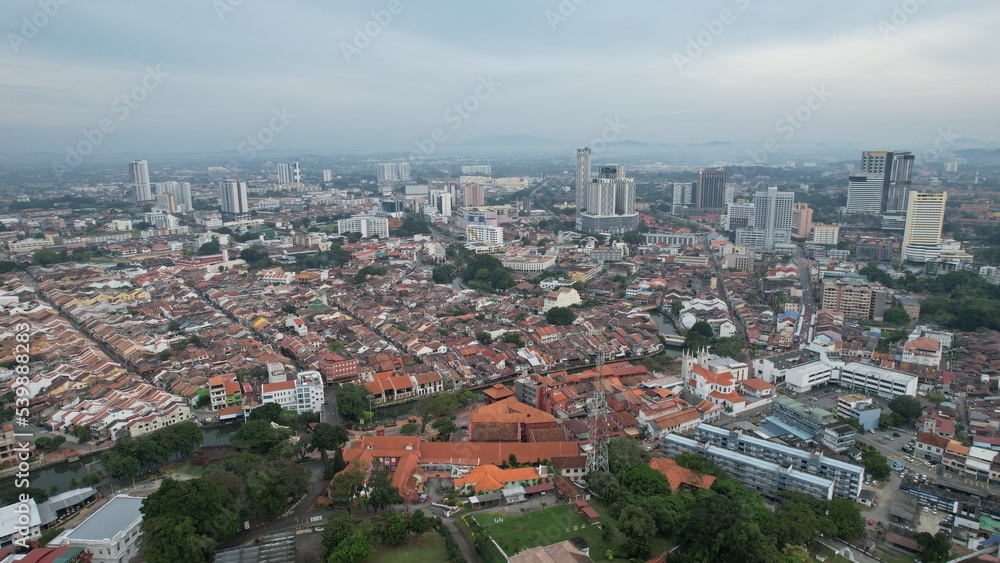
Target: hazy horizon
{"x": 235, "y": 76}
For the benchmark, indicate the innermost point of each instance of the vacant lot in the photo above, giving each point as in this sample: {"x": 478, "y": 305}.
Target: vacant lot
{"x": 429, "y": 547}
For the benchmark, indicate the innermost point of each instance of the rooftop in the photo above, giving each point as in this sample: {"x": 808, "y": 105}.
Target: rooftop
{"x": 112, "y": 518}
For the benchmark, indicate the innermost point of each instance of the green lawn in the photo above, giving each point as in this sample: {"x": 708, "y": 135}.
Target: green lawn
{"x": 549, "y": 525}
{"x": 430, "y": 547}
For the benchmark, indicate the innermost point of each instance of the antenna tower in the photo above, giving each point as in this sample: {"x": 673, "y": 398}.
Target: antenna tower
{"x": 598, "y": 421}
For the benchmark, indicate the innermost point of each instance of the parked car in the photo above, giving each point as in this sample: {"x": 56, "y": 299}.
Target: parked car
{"x": 896, "y": 434}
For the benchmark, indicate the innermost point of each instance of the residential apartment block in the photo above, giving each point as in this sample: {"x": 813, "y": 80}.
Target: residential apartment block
{"x": 857, "y": 300}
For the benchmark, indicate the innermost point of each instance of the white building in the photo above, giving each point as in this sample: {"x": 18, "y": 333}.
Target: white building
{"x": 181, "y": 192}
{"x": 327, "y": 175}
{"x": 683, "y": 197}
{"x": 876, "y": 380}
{"x": 19, "y": 523}
{"x": 798, "y": 370}
{"x": 234, "y": 198}
{"x": 112, "y": 533}
{"x": 392, "y": 172}
{"x": 484, "y": 234}
{"x": 739, "y": 215}
{"x": 478, "y": 169}
{"x": 367, "y": 225}
{"x": 772, "y": 220}
{"x": 924, "y": 222}
{"x": 864, "y": 194}
{"x": 121, "y": 224}
{"x": 303, "y": 394}
{"x": 826, "y": 234}
{"x": 562, "y": 297}
{"x": 138, "y": 171}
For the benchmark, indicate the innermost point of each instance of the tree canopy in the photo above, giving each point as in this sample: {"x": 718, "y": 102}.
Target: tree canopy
{"x": 560, "y": 316}
{"x": 352, "y": 401}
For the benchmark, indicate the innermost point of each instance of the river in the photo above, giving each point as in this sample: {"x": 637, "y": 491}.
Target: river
{"x": 61, "y": 474}
{"x": 666, "y": 327}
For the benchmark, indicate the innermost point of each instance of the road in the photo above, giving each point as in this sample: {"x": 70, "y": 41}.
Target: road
{"x": 329, "y": 413}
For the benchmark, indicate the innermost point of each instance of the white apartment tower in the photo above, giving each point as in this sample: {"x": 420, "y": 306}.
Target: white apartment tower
{"x": 392, "y": 172}
{"x": 610, "y": 202}
{"x": 924, "y": 222}
{"x": 234, "y": 198}
{"x": 772, "y": 220}
{"x": 138, "y": 171}
{"x": 582, "y": 181}
{"x": 683, "y": 197}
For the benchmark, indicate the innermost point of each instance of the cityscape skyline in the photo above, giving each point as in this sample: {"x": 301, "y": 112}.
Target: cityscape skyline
{"x": 695, "y": 65}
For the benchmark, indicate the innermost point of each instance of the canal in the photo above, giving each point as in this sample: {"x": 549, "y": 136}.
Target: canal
{"x": 666, "y": 327}
{"x": 60, "y": 474}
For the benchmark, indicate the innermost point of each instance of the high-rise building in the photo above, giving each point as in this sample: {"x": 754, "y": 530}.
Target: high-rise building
{"x": 924, "y": 222}
{"x": 683, "y": 197}
{"x": 327, "y": 175}
{"x": 739, "y": 215}
{"x": 484, "y": 234}
{"x": 165, "y": 201}
{"x": 896, "y": 170}
{"x": 864, "y": 194}
{"x": 856, "y": 300}
{"x": 582, "y": 182}
{"x": 289, "y": 173}
{"x": 441, "y": 201}
{"x": 475, "y": 195}
{"x": 477, "y": 169}
{"x": 802, "y": 221}
{"x": 610, "y": 202}
{"x": 138, "y": 171}
{"x": 393, "y": 172}
{"x": 711, "y": 192}
{"x": 181, "y": 192}
{"x": 772, "y": 220}
{"x": 234, "y": 199}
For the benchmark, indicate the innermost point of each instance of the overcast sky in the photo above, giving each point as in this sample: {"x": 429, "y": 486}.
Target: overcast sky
{"x": 892, "y": 72}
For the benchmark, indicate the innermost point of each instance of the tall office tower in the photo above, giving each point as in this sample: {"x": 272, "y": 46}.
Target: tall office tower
{"x": 327, "y": 175}
{"x": 900, "y": 182}
{"x": 181, "y": 192}
{"x": 610, "y": 202}
{"x": 441, "y": 201}
{"x": 772, "y": 220}
{"x": 924, "y": 222}
{"x": 234, "y": 198}
{"x": 864, "y": 194}
{"x": 582, "y": 181}
{"x": 802, "y": 221}
{"x": 896, "y": 169}
{"x": 296, "y": 173}
{"x": 138, "y": 172}
{"x": 284, "y": 174}
{"x": 403, "y": 171}
{"x": 475, "y": 195}
{"x": 683, "y": 197}
{"x": 711, "y": 192}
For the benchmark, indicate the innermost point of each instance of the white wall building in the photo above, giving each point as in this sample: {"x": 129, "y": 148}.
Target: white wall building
{"x": 111, "y": 534}
{"x": 367, "y": 225}
{"x": 234, "y": 198}
{"x": 826, "y": 234}
{"x": 924, "y": 222}
{"x": 302, "y": 394}
{"x": 484, "y": 234}
{"x": 876, "y": 380}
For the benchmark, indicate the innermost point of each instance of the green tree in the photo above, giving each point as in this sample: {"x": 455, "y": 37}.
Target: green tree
{"x": 445, "y": 427}
{"x": 729, "y": 347}
{"x": 560, "y": 316}
{"x": 419, "y": 522}
{"x": 844, "y": 514}
{"x": 381, "y": 493}
{"x": 257, "y": 436}
{"x": 395, "y": 530}
{"x": 875, "y": 463}
{"x": 329, "y": 436}
{"x": 408, "y": 429}
{"x": 908, "y": 407}
{"x": 352, "y": 401}
{"x": 513, "y": 338}
{"x": 896, "y": 316}
{"x": 443, "y": 274}
{"x": 268, "y": 411}
{"x": 354, "y": 549}
{"x": 605, "y": 486}
{"x": 45, "y": 258}
{"x": 209, "y": 248}
{"x": 339, "y": 526}
{"x": 484, "y": 338}
{"x": 937, "y": 547}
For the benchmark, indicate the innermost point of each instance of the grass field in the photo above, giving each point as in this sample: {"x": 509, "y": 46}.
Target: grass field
{"x": 548, "y": 526}
{"x": 430, "y": 547}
